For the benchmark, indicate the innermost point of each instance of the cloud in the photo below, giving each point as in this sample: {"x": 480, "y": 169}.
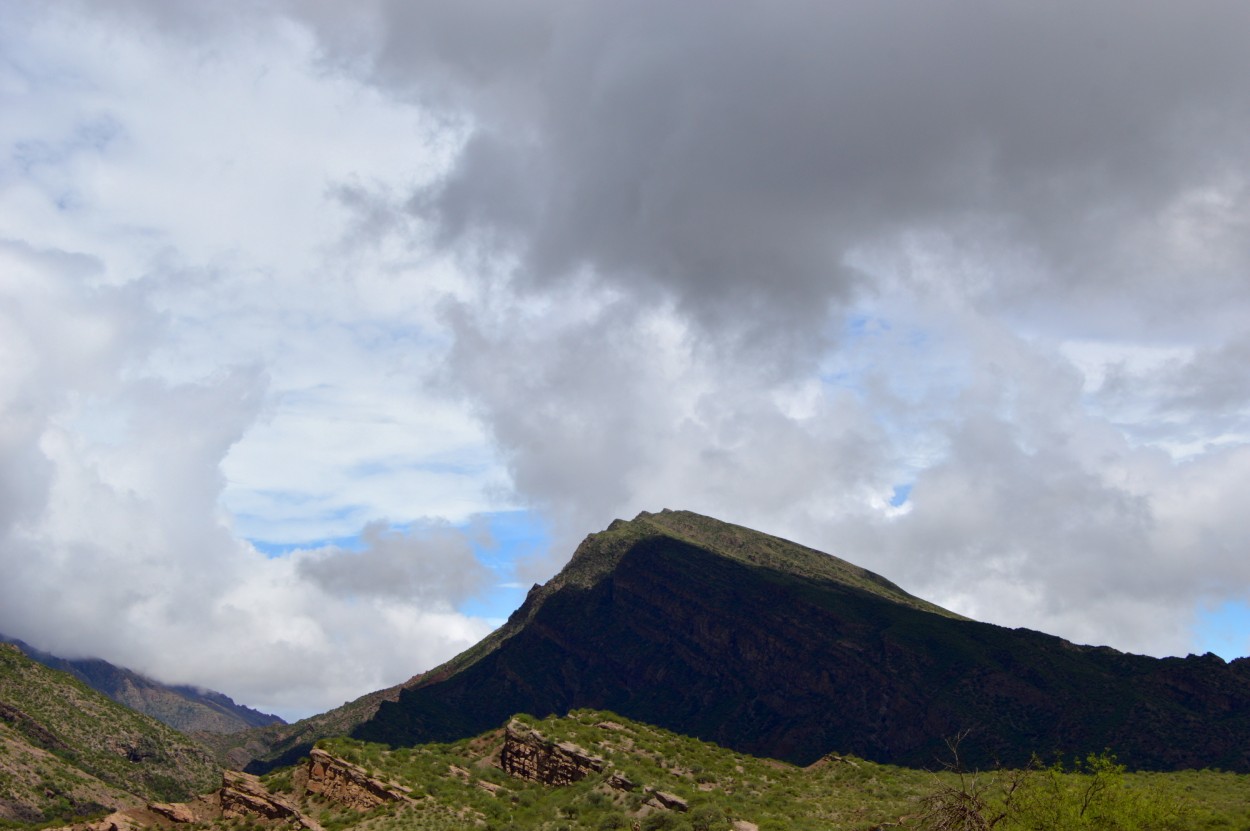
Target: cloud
{"x": 196, "y": 329}
{"x": 432, "y": 564}
{"x": 682, "y": 215}
{"x": 685, "y": 210}
{"x": 308, "y": 271}
{"x": 731, "y": 157}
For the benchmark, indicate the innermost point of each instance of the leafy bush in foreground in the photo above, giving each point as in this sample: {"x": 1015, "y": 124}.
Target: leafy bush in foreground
{"x": 1092, "y": 794}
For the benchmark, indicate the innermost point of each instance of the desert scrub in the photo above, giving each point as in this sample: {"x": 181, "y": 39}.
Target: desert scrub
{"x": 839, "y": 792}
{"x": 1091, "y": 794}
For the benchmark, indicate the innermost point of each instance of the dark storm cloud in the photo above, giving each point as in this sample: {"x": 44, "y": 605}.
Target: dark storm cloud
{"x": 776, "y": 262}
{"x": 673, "y": 206}
{"x": 732, "y": 153}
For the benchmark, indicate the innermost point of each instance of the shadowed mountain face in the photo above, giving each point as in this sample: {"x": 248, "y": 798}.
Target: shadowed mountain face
{"x": 184, "y": 708}
{"x": 770, "y": 648}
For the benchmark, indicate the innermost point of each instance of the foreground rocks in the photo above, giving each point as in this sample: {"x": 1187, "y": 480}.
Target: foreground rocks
{"x": 243, "y": 795}
{"x": 326, "y": 781}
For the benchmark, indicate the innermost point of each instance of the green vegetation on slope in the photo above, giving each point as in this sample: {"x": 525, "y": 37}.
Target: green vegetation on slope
{"x": 458, "y": 786}
{"x": 58, "y": 731}
{"x": 764, "y": 550}
{"x": 37, "y": 786}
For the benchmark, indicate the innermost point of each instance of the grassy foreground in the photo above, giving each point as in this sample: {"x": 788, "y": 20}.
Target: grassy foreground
{"x": 458, "y": 786}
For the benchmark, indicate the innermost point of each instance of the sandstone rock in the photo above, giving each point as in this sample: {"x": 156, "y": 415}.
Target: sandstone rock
{"x": 350, "y": 785}
{"x": 671, "y": 801}
{"x": 116, "y": 821}
{"x": 528, "y": 755}
{"x": 620, "y": 782}
{"x": 243, "y": 795}
{"x": 177, "y": 812}
{"x": 743, "y": 825}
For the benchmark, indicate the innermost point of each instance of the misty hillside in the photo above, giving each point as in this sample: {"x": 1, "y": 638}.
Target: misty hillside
{"x": 184, "y": 708}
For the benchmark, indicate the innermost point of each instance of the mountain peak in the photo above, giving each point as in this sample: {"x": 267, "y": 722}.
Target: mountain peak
{"x": 600, "y": 552}
{"x": 768, "y": 647}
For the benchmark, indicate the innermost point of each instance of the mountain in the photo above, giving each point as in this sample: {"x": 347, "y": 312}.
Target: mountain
{"x": 67, "y": 751}
{"x": 262, "y": 749}
{"x": 184, "y": 708}
{"x": 767, "y": 647}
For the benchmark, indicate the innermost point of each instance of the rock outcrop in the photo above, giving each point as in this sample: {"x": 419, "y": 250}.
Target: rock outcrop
{"x": 349, "y": 785}
{"x": 664, "y": 799}
{"x": 178, "y": 813}
{"x": 116, "y": 821}
{"x": 620, "y": 782}
{"x": 527, "y": 754}
{"x": 243, "y": 795}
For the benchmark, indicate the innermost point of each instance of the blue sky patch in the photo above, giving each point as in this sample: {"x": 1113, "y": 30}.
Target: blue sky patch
{"x": 1224, "y": 630}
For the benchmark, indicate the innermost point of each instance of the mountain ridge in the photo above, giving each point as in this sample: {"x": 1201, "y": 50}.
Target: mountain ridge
{"x": 186, "y": 708}
{"x": 772, "y": 648}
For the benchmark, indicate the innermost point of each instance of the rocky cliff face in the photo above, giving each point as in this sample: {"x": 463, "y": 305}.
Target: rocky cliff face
{"x": 243, "y": 796}
{"x": 715, "y": 631}
{"x": 526, "y": 754}
{"x": 240, "y": 797}
{"x": 347, "y": 784}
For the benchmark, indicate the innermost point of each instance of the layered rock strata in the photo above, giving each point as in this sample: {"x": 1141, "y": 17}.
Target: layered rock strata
{"x": 527, "y": 754}
{"x": 349, "y": 785}
{"x": 243, "y": 795}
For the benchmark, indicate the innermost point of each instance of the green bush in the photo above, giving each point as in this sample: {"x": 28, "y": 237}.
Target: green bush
{"x": 1091, "y": 795}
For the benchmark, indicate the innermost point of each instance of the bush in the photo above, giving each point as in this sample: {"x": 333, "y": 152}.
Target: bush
{"x": 1091, "y": 795}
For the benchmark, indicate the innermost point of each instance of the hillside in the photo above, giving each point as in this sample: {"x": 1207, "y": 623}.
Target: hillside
{"x": 591, "y": 771}
{"x": 767, "y": 647}
{"x": 71, "y": 751}
{"x": 598, "y": 770}
{"x": 264, "y": 748}
{"x": 184, "y": 708}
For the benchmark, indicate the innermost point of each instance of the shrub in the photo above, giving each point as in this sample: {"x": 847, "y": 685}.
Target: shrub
{"x": 1091, "y": 795}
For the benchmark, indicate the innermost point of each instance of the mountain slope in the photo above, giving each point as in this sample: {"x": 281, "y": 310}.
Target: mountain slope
{"x": 184, "y": 708}
{"x": 262, "y": 749}
{"x": 733, "y": 636}
{"x": 69, "y": 750}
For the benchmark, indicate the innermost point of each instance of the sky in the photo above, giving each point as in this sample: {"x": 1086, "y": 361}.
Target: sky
{"x": 327, "y": 329}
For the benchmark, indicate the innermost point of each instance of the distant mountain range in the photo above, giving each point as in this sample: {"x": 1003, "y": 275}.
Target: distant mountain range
{"x": 729, "y": 635}
{"x": 184, "y": 708}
